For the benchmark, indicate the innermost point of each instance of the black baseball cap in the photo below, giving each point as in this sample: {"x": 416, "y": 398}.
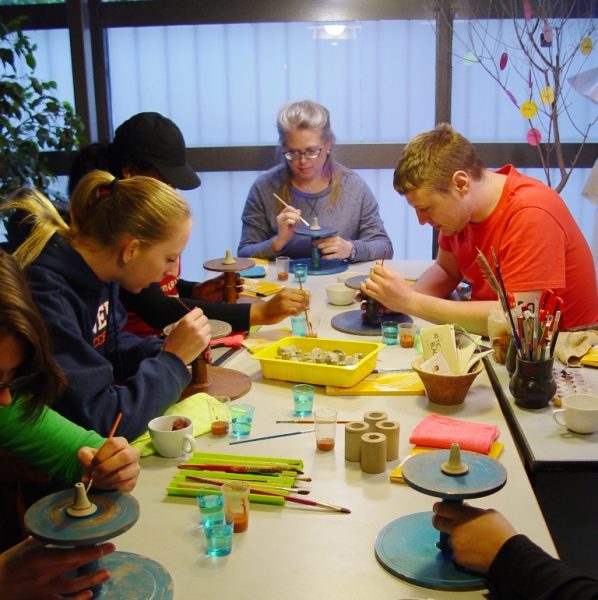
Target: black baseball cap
{"x": 149, "y": 137}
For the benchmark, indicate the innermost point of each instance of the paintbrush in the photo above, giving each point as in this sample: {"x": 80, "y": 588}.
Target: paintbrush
{"x": 239, "y": 468}
{"x": 210, "y": 486}
{"x": 288, "y": 206}
{"x": 119, "y": 416}
{"x": 500, "y": 291}
{"x": 310, "y": 330}
{"x": 288, "y": 498}
{"x": 308, "y": 421}
{"x": 269, "y": 437}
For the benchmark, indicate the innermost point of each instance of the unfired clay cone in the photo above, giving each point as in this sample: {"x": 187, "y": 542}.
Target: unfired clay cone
{"x": 81, "y": 506}
{"x": 228, "y": 259}
{"x": 454, "y": 465}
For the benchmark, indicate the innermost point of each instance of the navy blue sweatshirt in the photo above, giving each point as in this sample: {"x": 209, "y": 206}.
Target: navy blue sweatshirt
{"x": 108, "y": 370}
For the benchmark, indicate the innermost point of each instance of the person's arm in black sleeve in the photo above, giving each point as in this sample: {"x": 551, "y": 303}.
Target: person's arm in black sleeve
{"x": 522, "y": 570}
{"x": 153, "y": 306}
{"x": 159, "y": 310}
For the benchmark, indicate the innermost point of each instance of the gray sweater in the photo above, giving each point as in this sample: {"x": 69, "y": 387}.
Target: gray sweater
{"x": 355, "y": 216}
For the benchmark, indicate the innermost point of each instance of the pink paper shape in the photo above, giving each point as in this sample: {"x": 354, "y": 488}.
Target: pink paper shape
{"x": 534, "y": 136}
{"x": 511, "y": 97}
{"x": 504, "y": 59}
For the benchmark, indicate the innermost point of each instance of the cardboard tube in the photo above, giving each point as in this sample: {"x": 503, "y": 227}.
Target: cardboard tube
{"x": 373, "y": 453}
{"x": 353, "y": 433}
{"x": 391, "y": 430}
{"x": 373, "y": 416}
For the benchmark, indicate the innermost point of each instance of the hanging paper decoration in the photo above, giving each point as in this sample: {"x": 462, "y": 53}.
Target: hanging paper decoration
{"x": 547, "y": 31}
{"x": 586, "y": 45}
{"x": 527, "y": 10}
{"x": 534, "y": 136}
{"x": 504, "y": 59}
{"x": 470, "y": 58}
{"x": 547, "y": 95}
{"x": 529, "y": 109}
{"x": 511, "y": 97}
{"x": 529, "y": 79}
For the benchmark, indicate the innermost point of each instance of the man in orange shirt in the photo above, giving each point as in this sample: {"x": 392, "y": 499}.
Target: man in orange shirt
{"x": 538, "y": 243}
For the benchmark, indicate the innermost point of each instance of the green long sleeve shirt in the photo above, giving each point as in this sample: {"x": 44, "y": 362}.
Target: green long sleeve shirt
{"x": 50, "y": 443}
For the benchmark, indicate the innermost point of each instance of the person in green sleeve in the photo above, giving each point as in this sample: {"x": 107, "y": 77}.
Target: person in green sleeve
{"x": 29, "y": 430}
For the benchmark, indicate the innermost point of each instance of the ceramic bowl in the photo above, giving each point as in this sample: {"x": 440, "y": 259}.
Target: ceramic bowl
{"x": 446, "y": 388}
{"x": 339, "y": 294}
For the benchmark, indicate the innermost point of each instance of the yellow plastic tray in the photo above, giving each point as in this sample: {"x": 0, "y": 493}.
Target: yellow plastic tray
{"x": 277, "y": 368}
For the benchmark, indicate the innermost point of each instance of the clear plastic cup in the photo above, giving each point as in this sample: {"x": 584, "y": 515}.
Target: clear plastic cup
{"x": 219, "y": 539}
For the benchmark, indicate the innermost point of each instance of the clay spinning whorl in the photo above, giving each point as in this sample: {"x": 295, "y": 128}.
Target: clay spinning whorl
{"x": 81, "y": 506}
{"x": 454, "y": 465}
{"x": 228, "y": 258}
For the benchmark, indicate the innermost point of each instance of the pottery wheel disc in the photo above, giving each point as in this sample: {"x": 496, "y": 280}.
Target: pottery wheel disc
{"x": 355, "y": 282}
{"x": 485, "y": 475}
{"x": 135, "y": 576}
{"x": 220, "y": 329}
{"x": 240, "y": 264}
{"x": 326, "y": 267}
{"x": 48, "y": 521}
{"x": 350, "y": 321}
{"x": 407, "y": 548}
{"x": 317, "y": 233}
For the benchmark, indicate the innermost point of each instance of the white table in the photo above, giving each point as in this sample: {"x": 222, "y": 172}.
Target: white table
{"x": 296, "y": 552}
{"x": 563, "y": 468}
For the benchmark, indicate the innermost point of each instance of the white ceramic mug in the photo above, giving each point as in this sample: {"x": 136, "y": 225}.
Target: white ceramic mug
{"x": 579, "y": 413}
{"x": 170, "y": 442}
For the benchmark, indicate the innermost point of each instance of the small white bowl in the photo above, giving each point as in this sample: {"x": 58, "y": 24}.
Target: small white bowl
{"x": 347, "y": 275}
{"x": 339, "y": 294}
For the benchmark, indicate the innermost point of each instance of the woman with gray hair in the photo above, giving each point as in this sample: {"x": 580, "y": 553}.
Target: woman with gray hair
{"x": 312, "y": 185}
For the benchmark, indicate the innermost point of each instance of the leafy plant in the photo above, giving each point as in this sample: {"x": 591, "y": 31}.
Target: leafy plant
{"x": 32, "y": 118}
{"x": 552, "y": 41}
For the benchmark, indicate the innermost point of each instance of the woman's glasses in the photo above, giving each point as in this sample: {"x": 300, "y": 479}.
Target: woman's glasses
{"x": 310, "y": 153}
{"x": 17, "y": 383}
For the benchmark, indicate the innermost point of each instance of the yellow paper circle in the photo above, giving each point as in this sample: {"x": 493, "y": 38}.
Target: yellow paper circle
{"x": 586, "y": 46}
{"x": 529, "y": 109}
{"x": 547, "y": 95}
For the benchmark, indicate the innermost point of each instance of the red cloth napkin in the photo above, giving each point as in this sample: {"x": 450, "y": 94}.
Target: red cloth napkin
{"x": 234, "y": 341}
{"x": 436, "y": 431}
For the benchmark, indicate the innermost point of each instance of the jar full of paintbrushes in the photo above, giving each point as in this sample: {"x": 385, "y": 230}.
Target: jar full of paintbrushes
{"x": 532, "y": 384}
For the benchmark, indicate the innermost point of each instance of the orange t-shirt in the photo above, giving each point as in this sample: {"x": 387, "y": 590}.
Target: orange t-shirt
{"x": 538, "y": 244}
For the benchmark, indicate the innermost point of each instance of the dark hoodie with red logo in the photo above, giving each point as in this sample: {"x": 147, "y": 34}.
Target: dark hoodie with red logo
{"x": 108, "y": 369}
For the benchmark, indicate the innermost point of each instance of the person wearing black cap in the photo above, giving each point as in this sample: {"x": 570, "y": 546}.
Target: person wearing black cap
{"x": 152, "y": 145}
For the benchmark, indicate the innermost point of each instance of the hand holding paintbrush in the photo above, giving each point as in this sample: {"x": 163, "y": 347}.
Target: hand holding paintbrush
{"x": 191, "y": 336}
{"x": 310, "y": 329}
{"x": 115, "y": 464}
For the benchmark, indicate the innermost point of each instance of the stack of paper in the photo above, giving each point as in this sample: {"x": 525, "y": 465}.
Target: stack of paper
{"x": 446, "y": 350}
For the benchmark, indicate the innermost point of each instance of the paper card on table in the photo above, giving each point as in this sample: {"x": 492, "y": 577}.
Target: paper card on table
{"x": 396, "y": 475}
{"x": 383, "y": 384}
{"x": 457, "y": 349}
{"x": 253, "y": 287}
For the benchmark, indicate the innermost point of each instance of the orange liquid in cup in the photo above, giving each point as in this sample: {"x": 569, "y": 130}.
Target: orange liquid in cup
{"x": 283, "y": 276}
{"x": 325, "y": 444}
{"x": 407, "y": 340}
{"x": 219, "y": 427}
